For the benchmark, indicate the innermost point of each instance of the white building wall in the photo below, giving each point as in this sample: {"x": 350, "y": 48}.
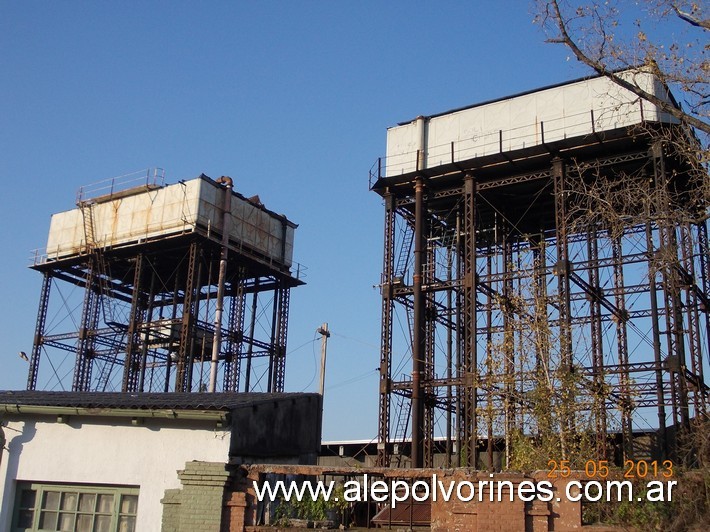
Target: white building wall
{"x": 107, "y": 451}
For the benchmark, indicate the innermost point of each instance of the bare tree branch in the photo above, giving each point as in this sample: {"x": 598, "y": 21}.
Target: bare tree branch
{"x": 602, "y": 69}
{"x": 690, "y": 19}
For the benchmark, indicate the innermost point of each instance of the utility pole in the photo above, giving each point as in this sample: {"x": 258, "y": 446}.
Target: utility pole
{"x": 325, "y": 334}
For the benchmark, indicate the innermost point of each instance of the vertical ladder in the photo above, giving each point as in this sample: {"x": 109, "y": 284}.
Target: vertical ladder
{"x": 405, "y": 251}
{"x": 404, "y": 407}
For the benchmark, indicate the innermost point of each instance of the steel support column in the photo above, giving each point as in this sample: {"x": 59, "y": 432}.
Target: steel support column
{"x": 183, "y": 375}
{"x": 235, "y": 337}
{"x": 656, "y": 332}
{"x": 562, "y": 270}
{"x": 595, "y": 324}
{"x": 383, "y": 455}
{"x": 508, "y": 348}
{"x": 692, "y": 312}
{"x": 252, "y": 330}
{"x": 131, "y": 369}
{"x": 39, "y": 331}
{"x": 468, "y": 425}
{"x": 667, "y": 257}
{"x": 622, "y": 347}
{"x": 148, "y": 318}
{"x": 85, "y": 351}
{"x": 283, "y": 294}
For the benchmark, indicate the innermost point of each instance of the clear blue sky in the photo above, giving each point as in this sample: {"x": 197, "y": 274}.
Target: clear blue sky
{"x": 292, "y": 99}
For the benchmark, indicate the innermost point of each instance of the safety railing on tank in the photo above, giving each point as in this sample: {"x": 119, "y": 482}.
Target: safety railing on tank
{"x": 149, "y": 178}
{"x": 594, "y": 121}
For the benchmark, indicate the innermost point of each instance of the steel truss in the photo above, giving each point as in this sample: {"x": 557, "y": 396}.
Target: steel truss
{"x": 143, "y": 319}
{"x": 503, "y": 292}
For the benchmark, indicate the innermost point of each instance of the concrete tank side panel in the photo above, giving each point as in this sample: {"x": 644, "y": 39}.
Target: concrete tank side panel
{"x": 564, "y": 111}
{"x": 66, "y": 233}
{"x": 447, "y": 127}
{"x": 402, "y": 145}
{"x": 248, "y": 224}
{"x": 166, "y": 211}
{"x": 149, "y": 214}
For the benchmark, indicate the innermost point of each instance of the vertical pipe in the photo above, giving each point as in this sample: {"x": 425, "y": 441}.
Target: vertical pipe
{"x": 217, "y": 341}
{"x": 419, "y": 336}
{"x": 421, "y": 125}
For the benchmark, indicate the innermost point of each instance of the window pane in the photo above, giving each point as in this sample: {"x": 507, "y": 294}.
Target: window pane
{"x": 105, "y": 504}
{"x": 69, "y": 502}
{"x": 65, "y": 508}
{"x": 66, "y": 522}
{"x": 48, "y": 520}
{"x": 129, "y": 504}
{"x": 84, "y": 523}
{"x": 28, "y": 498}
{"x": 126, "y": 524}
{"x": 102, "y": 523}
{"x": 51, "y": 500}
{"x": 86, "y": 502}
{"x": 25, "y": 518}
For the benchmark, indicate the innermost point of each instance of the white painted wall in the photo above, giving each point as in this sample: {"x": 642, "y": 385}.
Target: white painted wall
{"x": 565, "y": 111}
{"x": 106, "y": 451}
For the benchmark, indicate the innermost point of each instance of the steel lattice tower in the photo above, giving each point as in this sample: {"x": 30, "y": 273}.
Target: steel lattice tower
{"x": 131, "y": 300}
{"x": 570, "y": 259}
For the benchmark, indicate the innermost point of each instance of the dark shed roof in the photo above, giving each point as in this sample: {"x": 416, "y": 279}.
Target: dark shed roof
{"x": 143, "y": 401}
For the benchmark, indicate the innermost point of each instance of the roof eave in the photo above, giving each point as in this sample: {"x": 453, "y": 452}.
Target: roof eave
{"x": 142, "y": 413}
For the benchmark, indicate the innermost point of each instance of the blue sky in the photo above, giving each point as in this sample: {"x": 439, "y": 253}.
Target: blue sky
{"x": 291, "y": 99}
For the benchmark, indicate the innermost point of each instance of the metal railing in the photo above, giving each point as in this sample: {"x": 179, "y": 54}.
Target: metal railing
{"x": 497, "y": 141}
{"x": 149, "y": 177}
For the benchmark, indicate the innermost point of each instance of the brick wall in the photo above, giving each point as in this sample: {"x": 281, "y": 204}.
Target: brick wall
{"x": 217, "y": 498}
{"x": 198, "y": 505}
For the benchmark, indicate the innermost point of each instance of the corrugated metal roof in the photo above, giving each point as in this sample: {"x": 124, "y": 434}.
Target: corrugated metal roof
{"x": 144, "y": 401}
